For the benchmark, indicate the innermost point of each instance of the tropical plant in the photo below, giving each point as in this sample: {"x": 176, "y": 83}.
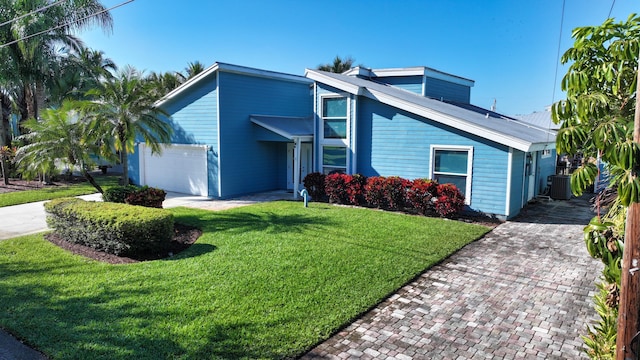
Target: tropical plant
{"x": 29, "y": 58}
{"x": 123, "y": 106}
{"x": 6, "y": 154}
{"x": 597, "y": 120}
{"x": 339, "y": 65}
{"x": 62, "y": 137}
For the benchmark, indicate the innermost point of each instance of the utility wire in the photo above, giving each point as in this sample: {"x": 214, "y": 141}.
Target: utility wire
{"x": 611, "y": 10}
{"x": 31, "y": 13}
{"x": 555, "y": 76}
{"x": 65, "y": 24}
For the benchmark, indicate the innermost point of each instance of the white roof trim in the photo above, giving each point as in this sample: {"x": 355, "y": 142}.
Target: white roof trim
{"x": 218, "y": 66}
{"x": 411, "y": 71}
{"x": 340, "y": 85}
{"x": 426, "y": 112}
{"x": 279, "y": 131}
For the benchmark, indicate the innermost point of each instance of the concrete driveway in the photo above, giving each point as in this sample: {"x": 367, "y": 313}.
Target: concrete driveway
{"x": 30, "y": 218}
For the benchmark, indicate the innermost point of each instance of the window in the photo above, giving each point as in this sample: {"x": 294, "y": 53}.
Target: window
{"x": 334, "y": 116}
{"x": 334, "y": 158}
{"x": 452, "y": 165}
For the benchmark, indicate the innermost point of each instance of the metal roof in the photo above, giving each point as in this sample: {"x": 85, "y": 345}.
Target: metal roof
{"x": 287, "y": 127}
{"x": 539, "y": 118}
{"x": 465, "y": 117}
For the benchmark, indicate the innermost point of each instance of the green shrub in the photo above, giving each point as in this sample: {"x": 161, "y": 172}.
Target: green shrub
{"x": 118, "y": 194}
{"x": 117, "y": 229}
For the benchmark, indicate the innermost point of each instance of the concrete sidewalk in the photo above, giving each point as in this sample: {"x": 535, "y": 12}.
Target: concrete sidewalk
{"x": 30, "y": 218}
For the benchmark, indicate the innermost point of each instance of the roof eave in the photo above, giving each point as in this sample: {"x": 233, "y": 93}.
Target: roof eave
{"x": 341, "y": 85}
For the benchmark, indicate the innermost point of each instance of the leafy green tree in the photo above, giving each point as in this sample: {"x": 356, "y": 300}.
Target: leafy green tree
{"x": 61, "y": 137}
{"x": 123, "y": 107}
{"x": 31, "y": 58}
{"x": 597, "y": 121}
{"x": 193, "y": 69}
{"x": 339, "y": 65}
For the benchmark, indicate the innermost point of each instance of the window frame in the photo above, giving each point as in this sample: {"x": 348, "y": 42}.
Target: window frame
{"x": 468, "y": 175}
{"x": 334, "y": 142}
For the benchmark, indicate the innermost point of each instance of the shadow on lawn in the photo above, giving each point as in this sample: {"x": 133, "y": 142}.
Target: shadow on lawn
{"x": 241, "y": 222}
{"x": 118, "y": 321}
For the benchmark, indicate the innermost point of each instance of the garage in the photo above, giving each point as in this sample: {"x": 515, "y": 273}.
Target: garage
{"x": 180, "y": 168}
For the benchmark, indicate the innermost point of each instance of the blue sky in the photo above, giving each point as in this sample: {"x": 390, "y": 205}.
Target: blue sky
{"x": 509, "y": 47}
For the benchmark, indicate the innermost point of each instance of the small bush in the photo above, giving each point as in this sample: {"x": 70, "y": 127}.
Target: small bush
{"x": 422, "y": 195}
{"x": 118, "y": 194}
{"x": 335, "y": 186}
{"x": 355, "y": 189}
{"x": 117, "y": 229}
{"x": 374, "y": 192}
{"x": 450, "y": 200}
{"x": 146, "y": 196}
{"x": 314, "y": 183}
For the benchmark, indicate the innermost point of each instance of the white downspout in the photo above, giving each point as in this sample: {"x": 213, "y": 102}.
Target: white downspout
{"x": 296, "y": 167}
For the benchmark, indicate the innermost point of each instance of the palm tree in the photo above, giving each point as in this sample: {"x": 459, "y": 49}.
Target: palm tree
{"x": 33, "y": 56}
{"x": 339, "y": 65}
{"x": 60, "y": 137}
{"x": 193, "y": 69}
{"x": 123, "y": 106}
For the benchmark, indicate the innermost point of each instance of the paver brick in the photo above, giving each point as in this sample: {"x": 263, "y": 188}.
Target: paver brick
{"x": 523, "y": 291}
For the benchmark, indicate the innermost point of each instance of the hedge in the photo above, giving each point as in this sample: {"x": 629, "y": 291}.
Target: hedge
{"x": 118, "y": 229}
{"x": 423, "y": 196}
{"x": 135, "y": 195}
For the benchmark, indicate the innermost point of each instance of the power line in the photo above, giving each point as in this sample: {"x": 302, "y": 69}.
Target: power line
{"x": 31, "y": 13}
{"x": 611, "y": 10}
{"x": 65, "y": 24}
{"x": 555, "y": 76}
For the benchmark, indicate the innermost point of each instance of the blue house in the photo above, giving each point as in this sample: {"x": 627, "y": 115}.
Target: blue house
{"x": 239, "y": 130}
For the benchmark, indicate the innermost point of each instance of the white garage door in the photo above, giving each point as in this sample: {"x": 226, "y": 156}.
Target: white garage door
{"x": 180, "y": 168}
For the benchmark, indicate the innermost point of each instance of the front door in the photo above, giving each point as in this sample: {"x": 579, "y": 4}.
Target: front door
{"x": 306, "y": 162}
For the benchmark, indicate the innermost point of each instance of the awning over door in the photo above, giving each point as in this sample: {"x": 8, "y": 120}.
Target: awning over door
{"x": 288, "y": 127}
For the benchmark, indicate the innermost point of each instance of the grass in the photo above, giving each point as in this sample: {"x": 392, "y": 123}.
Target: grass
{"x": 83, "y": 188}
{"x": 266, "y": 281}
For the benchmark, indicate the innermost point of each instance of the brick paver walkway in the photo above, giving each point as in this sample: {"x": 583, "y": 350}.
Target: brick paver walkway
{"x": 523, "y": 291}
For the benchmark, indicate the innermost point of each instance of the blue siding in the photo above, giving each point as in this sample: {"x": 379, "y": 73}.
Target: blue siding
{"x": 409, "y": 83}
{"x": 248, "y": 165}
{"x": 395, "y": 143}
{"x": 194, "y": 118}
{"x": 517, "y": 188}
{"x": 441, "y": 89}
{"x": 546, "y": 167}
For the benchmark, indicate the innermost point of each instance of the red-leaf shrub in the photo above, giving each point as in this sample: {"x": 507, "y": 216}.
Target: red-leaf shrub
{"x": 450, "y": 200}
{"x": 422, "y": 195}
{"x": 314, "y": 183}
{"x": 386, "y": 192}
{"x": 147, "y": 196}
{"x": 335, "y": 186}
{"x": 355, "y": 189}
{"x": 374, "y": 192}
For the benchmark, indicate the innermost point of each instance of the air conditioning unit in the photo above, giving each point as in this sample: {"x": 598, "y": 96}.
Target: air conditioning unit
{"x": 561, "y": 187}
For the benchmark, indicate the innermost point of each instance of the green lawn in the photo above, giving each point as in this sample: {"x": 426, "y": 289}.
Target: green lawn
{"x": 84, "y": 188}
{"x": 266, "y": 281}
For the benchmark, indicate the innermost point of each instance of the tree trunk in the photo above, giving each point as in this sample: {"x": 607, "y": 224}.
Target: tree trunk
{"x": 125, "y": 168}
{"x": 29, "y": 99}
{"x": 40, "y": 98}
{"x": 4, "y": 136}
{"x": 91, "y": 180}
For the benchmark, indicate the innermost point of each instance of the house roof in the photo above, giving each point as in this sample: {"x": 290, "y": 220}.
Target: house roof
{"x": 218, "y": 66}
{"x": 287, "y": 127}
{"x": 539, "y": 118}
{"x": 465, "y": 117}
{"x": 410, "y": 71}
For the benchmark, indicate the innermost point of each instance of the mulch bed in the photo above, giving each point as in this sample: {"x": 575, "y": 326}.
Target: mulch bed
{"x": 184, "y": 236}
{"x": 21, "y": 185}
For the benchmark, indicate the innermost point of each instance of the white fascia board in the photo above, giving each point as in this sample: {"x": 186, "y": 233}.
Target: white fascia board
{"x": 432, "y": 73}
{"x": 340, "y": 85}
{"x": 449, "y": 120}
{"x": 423, "y": 71}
